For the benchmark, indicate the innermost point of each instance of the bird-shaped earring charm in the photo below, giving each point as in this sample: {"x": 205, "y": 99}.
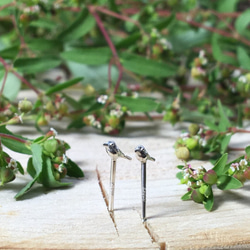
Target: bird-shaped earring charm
{"x": 114, "y": 152}
{"x": 142, "y": 155}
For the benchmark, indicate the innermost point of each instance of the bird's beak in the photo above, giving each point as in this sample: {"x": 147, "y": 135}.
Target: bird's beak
{"x": 105, "y": 144}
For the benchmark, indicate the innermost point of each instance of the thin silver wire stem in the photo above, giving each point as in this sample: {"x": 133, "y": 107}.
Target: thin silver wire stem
{"x": 112, "y": 185}
{"x": 143, "y": 189}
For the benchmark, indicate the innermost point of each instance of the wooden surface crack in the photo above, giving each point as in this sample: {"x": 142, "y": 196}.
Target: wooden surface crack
{"x": 105, "y": 198}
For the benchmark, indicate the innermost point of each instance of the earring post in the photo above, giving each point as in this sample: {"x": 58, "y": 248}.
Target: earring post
{"x": 112, "y": 185}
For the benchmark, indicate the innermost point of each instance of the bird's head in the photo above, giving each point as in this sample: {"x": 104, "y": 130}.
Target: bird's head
{"x": 111, "y": 146}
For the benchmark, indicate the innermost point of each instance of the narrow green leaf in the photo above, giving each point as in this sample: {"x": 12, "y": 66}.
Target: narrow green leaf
{"x": 242, "y": 22}
{"x": 26, "y": 188}
{"x": 218, "y": 52}
{"x": 224, "y": 143}
{"x": 147, "y": 67}
{"x": 20, "y": 168}
{"x": 90, "y": 56}
{"x": 43, "y": 23}
{"x": 211, "y": 125}
{"x": 81, "y": 26}
{"x": 41, "y": 44}
{"x": 62, "y": 86}
{"x": 47, "y": 176}
{"x": 226, "y": 182}
{"x": 186, "y": 196}
{"x": 35, "y": 65}
{"x": 209, "y": 202}
{"x": 37, "y": 160}
{"x": 128, "y": 41}
{"x": 140, "y": 104}
{"x": 10, "y": 53}
{"x": 12, "y": 144}
{"x": 219, "y": 167}
{"x": 73, "y": 169}
{"x": 243, "y": 57}
{"x": 224, "y": 123}
{"x": 30, "y": 168}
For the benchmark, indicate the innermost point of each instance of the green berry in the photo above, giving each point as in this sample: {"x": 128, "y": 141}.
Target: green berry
{"x": 196, "y": 196}
{"x": 193, "y": 129}
{"x": 191, "y": 143}
{"x": 182, "y": 153}
{"x": 25, "y": 106}
{"x": 210, "y": 177}
{"x": 50, "y": 146}
{"x": 6, "y": 175}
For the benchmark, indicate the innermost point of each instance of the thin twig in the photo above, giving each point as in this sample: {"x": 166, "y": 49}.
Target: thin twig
{"x": 110, "y": 44}
{"x": 12, "y": 137}
{"x": 4, "y": 81}
{"x": 9, "y": 68}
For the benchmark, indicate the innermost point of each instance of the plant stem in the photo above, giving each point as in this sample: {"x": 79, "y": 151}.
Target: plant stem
{"x": 9, "y": 68}
{"x": 4, "y": 81}
{"x": 12, "y": 137}
{"x": 110, "y": 44}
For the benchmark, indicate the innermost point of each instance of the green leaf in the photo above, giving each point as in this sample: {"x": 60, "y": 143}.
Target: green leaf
{"x": 226, "y": 182}
{"x": 179, "y": 175}
{"x": 247, "y": 150}
{"x": 209, "y": 202}
{"x": 62, "y": 86}
{"x": 43, "y": 23}
{"x": 35, "y": 65}
{"x": 227, "y": 6}
{"x": 218, "y": 52}
{"x": 26, "y": 188}
{"x": 211, "y": 125}
{"x": 147, "y": 67}
{"x": 12, "y": 85}
{"x": 243, "y": 57}
{"x": 81, "y": 26}
{"x": 224, "y": 123}
{"x": 4, "y": 2}
{"x": 128, "y": 41}
{"x": 219, "y": 167}
{"x": 37, "y": 159}
{"x": 41, "y": 44}
{"x": 10, "y": 52}
{"x": 224, "y": 143}
{"x": 180, "y": 167}
{"x": 47, "y": 177}
{"x": 186, "y": 196}
{"x": 242, "y": 22}
{"x": 73, "y": 169}
{"x": 140, "y": 104}
{"x": 13, "y": 144}
{"x": 20, "y": 168}
{"x": 90, "y": 56}
{"x": 30, "y": 168}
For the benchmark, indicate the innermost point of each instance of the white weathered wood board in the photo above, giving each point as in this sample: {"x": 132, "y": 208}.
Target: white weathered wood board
{"x": 77, "y": 217}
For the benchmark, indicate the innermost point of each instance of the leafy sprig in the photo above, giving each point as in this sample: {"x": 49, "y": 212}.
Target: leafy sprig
{"x": 224, "y": 175}
{"x": 47, "y": 165}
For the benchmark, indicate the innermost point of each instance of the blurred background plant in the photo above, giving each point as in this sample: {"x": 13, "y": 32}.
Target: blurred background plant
{"x": 171, "y": 60}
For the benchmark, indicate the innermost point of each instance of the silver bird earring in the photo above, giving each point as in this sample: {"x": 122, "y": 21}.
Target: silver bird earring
{"x": 142, "y": 155}
{"x": 114, "y": 152}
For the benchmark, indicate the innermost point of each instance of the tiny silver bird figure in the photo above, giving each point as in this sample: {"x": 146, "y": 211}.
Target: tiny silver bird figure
{"x": 142, "y": 154}
{"x": 114, "y": 152}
